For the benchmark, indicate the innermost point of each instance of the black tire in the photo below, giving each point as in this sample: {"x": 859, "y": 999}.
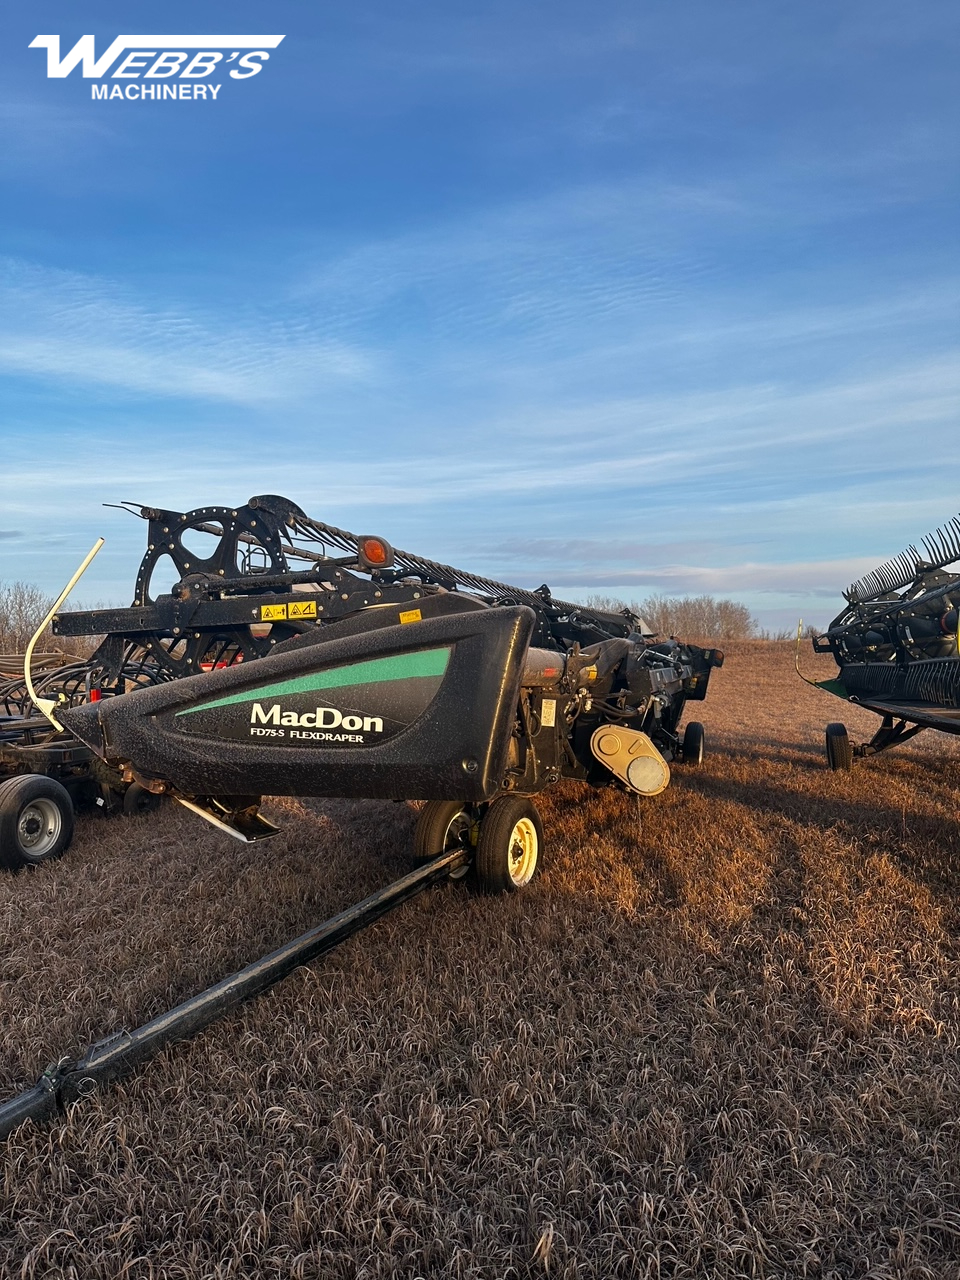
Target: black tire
{"x": 444, "y": 825}
{"x": 691, "y": 753}
{"x": 137, "y": 800}
{"x": 839, "y": 747}
{"x": 510, "y": 847}
{"x": 36, "y": 821}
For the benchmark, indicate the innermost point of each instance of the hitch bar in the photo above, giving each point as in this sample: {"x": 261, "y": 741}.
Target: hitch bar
{"x": 70, "y": 1080}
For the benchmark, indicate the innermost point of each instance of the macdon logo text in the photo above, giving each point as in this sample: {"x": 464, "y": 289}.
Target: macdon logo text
{"x": 316, "y": 725}
{"x": 152, "y": 59}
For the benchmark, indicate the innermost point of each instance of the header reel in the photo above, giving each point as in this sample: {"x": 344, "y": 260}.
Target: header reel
{"x": 191, "y": 610}
{"x": 221, "y": 585}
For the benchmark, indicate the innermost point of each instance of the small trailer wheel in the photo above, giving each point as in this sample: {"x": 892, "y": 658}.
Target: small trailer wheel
{"x": 36, "y": 821}
{"x": 444, "y": 825}
{"x": 137, "y": 800}
{"x": 510, "y": 848}
{"x": 839, "y": 747}
{"x": 691, "y": 753}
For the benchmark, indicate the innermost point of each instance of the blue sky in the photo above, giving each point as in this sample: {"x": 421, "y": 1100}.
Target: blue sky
{"x": 628, "y": 298}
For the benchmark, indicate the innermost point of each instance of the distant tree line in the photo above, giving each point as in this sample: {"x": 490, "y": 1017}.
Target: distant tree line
{"x": 23, "y": 605}
{"x": 689, "y": 617}
{"x": 22, "y": 608}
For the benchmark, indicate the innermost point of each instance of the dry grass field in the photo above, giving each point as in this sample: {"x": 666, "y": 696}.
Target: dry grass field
{"x": 717, "y": 1038}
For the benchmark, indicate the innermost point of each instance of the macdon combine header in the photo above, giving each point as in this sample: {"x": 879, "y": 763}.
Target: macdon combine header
{"x": 896, "y": 644}
{"x": 266, "y": 653}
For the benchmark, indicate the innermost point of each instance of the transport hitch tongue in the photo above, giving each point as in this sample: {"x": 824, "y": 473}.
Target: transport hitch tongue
{"x": 68, "y": 1080}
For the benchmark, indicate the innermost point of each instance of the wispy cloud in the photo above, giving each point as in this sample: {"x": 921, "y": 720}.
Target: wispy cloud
{"x": 815, "y": 579}
{"x": 604, "y": 285}
{"x": 635, "y": 252}
{"x": 83, "y": 330}
{"x": 521, "y": 265}
{"x": 650, "y": 453}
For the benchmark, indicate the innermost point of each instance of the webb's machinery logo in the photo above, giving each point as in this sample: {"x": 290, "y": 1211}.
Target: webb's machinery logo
{"x": 155, "y": 62}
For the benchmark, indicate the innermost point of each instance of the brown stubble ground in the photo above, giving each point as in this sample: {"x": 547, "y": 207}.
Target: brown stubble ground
{"x": 718, "y": 1038}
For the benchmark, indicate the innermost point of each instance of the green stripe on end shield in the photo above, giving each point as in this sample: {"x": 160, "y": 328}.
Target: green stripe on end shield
{"x": 405, "y": 666}
{"x": 833, "y": 686}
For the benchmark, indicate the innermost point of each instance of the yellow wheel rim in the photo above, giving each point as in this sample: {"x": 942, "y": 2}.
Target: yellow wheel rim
{"x": 523, "y": 852}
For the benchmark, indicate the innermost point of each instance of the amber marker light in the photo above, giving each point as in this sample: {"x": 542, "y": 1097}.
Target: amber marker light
{"x": 375, "y": 553}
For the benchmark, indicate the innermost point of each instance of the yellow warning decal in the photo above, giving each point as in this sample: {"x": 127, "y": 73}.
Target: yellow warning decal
{"x": 302, "y": 609}
{"x": 411, "y": 615}
{"x": 590, "y": 673}
{"x": 273, "y": 612}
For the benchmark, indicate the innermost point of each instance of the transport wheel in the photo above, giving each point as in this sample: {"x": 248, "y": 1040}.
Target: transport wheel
{"x": 510, "y": 848}
{"x": 138, "y": 800}
{"x": 839, "y": 747}
{"x": 691, "y": 752}
{"x": 444, "y": 825}
{"x": 36, "y": 821}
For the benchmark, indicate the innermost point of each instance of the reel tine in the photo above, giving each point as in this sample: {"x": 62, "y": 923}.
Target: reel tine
{"x": 937, "y": 544}
{"x": 942, "y": 547}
